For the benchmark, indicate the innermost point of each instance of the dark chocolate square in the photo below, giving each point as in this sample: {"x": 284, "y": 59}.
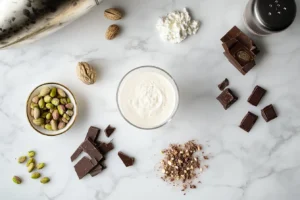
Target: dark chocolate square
{"x": 76, "y": 153}
{"x": 97, "y": 170}
{"x": 269, "y": 113}
{"x": 257, "y": 95}
{"x": 105, "y": 147}
{"x": 109, "y": 130}
{"x": 224, "y": 84}
{"x": 90, "y": 148}
{"x": 248, "y": 122}
{"x": 227, "y": 98}
{"x": 127, "y": 160}
{"x": 83, "y": 167}
{"x": 243, "y": 69}
{"x": 93, "y": 133}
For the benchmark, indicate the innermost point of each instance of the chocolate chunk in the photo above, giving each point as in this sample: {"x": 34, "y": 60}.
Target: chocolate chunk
{"x": 90, "y": 148}
{"x": 83, "y": 167}
{"x": 97, "y": 170}
{"x": 76, "y": 153}
{"x": 109, "y": 130}
{"x": 243, "y": 69}
{"x": 257, "y": 95}
{"x": 105, "y": 147}
{"x": 128, "y": 161}
{"x": 224, "y": 84}
{"x": 227, "y": 98}
{"x": 268, "y": 113}
{"x": 93, "y": 133}
{"x": 248, "y": 122}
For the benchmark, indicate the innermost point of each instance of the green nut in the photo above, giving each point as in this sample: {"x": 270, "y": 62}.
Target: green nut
{"x": 66, "y": 117}
{"x": 39, "y": 121}
{"x": 40, "y": 165}
{"x": 31, "y": 160}
{"x": 44, "y": 114}
{"x": 64, "y": 120}
{"x": 61, "y": 109}
{"x": 61, "y": 125}
{"x": 31, "y": 112}
{"x": 47, "y": 99}
{"x": 45, "y": 180}
{"x": 33, "y": 105}
{"x": 70, "y": 113}
{"x": 55, "y": 101}
{"x": 55, "y": 114}
{"x": 61, "y": 93}
{"x": 44, "y": 91}
{"x": 48, "y": 127}
{"x": 17, "y": 180}
{"x": 31, "y": 154}
{"x": 31, "y": 167}
{"x": 68, "y": 100}
{"x": 63, "y": 101}
{"x": 49, "y": 106}
{"x": 53, "y": 92}
{"x": 36, "y": 113}
{"x": 22, "y": 159}
{"x": 53, "y": 125}
{"x": 69, "y": 106}
{"x": 35, "y": 99}
{"x": 48, "y": 116}
{"x": 35, "y": 175}
{"x": 41, "y": 103}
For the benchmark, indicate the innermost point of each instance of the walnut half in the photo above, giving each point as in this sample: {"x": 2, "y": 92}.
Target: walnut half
{"x": 86, "y": 73}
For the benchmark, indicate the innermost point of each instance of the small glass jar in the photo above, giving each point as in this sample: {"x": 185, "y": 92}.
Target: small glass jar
{"x": 264, "y": 17}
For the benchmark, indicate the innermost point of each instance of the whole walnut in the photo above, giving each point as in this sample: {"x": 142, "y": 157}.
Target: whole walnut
{"x": 86, "y": 73}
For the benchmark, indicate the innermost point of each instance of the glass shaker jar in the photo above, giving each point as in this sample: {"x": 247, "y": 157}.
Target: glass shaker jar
{"x": 264, "y": 17}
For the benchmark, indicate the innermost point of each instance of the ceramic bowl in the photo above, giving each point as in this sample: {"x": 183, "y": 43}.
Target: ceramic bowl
{"x": 41, "y": 130}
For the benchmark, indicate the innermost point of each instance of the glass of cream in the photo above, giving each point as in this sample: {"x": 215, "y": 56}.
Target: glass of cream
{"x": 147, "y": 97}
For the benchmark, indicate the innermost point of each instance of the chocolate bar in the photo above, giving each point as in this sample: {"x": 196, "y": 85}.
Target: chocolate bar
{"x": 269, "y": 113}
{"x": 90, "y": 148}
{"x": 256, "y": 96}
{"x": 227, "y": 98}
{"x": 105, "y": 147}
{"x": 97, "y": 170}
{"x": 248, "y": 122}
{"x": 93, "y": 133}
{"x": 84, "y": 166}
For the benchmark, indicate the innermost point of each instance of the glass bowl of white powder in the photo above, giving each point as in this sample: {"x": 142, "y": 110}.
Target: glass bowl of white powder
{"x": 147, "y": 97}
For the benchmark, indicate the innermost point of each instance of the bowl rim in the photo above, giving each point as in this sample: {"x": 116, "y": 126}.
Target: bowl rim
{"x": 176, "y": 88}
{"x": 28, "y": 102}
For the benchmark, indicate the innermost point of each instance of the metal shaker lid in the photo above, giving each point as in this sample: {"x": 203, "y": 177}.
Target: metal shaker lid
{"x": 275, "y": 15}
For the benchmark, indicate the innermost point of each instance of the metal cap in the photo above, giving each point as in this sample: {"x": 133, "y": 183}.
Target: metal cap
{"x": 275, "y": 15}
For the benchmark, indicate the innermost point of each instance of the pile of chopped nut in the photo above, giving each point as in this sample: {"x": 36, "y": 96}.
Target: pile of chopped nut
{"x": 181, "y": 164}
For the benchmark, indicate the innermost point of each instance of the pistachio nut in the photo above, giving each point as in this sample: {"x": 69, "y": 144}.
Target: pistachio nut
{"x": 49, "y": 106}
{"x": 39, "y": 121}
{"x": 66, "y": 117}
{"x": 48, "y": 116}
{"x": 68, "y": 100}
{"x": 22, "y": 159}
{"x": 35, "y": 175}
{"x": 61, "y": 125}
{"x": 48, "y": 127}
{"x": 35, "y": 99}
{"x": 40, "y": 166}
{"x": 45, "y": 180}
{"x": 31, "y": 112}
{"x": 61, "y": 92}
{"x": 64, "y": 120}
{"x": 53, "y": 125}
{"x": 63, "y": 101}
{"x": 42, "y": 103}
{"x": 61, "y": 109}
{"x": 43, "y": 115}
{"x": 47, "y": 122}
{"x": 31, "y": 154}
{"x": 70, "y": 113}
{"x": 33, "y": 105}
{"x": 17, "y": 180}
{"x": 31, "y": 160}
{"x": 44, "y": 91}
{"x": 69, "y": 106}
{"x": 47, "y": 99}
{"x": 36, "y": 113}
{"x": 53, "y": 92}
{"x": 31, "y": 167}
{"x": 55, "y": 114}
{"x": 55, "y": 101}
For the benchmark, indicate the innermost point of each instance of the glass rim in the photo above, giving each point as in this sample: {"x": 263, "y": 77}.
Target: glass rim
{"x": 176, "y": 89}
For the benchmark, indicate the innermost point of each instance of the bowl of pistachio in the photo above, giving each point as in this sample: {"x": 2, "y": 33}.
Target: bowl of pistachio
{"x": 51, "y": 109}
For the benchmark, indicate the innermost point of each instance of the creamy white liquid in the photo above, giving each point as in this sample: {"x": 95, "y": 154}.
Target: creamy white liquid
{"x": 147, "y": 97}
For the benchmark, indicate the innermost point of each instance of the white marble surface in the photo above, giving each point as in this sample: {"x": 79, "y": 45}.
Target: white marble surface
{"x": 264, "y": 164}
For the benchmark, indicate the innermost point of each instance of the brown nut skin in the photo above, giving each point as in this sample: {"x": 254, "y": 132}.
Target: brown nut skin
{"x": 112, "y": 32}
{"x": 113, "y": 14}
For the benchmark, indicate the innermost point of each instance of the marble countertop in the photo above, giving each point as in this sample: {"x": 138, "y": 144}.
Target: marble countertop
{"x": 263, "y": 164}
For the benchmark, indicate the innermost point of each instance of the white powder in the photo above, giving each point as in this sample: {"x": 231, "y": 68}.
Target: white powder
{"x": 176, "y": 26}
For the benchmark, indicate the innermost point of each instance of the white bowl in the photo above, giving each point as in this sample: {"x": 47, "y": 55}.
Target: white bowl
{"x": 41, "y": 130}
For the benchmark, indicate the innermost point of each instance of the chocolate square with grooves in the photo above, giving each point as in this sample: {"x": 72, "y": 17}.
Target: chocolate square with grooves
{"x": 269, "y": 113}
{"x": 90, "y": 148}
{"x": 83, "y": 167}
{"x": 256, "y": 95}
{"x": 248, "y": 122}
{"x": 227, "y": 98}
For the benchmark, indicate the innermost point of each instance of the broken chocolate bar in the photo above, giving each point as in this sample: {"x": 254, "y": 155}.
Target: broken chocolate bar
{"x": 76, "y": 153}
{"x": 227, "y": 98}
{"x": 105, "y": 147}
{"x": 109, "y": 130}
{"x": 90, "y": 148}
{"x": 257, "y": 95}
{"x": 127, "y": 160}
{"x": 269, "y": 113}
{"x": 224, "y": 84}
{"x": 93, "y": 133}
{"x": 248, "y": 122}
{"x": 84, "y": 166}
{"x": 97, "y": 170}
